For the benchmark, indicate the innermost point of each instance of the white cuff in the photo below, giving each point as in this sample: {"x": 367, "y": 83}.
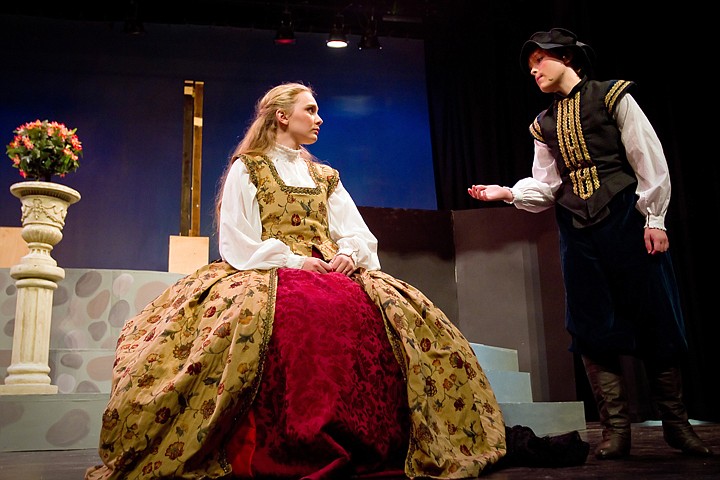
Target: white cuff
{"x": 295, "y": 261}
{"x": 349, "y": 252}
{"x": 655, "y": 221}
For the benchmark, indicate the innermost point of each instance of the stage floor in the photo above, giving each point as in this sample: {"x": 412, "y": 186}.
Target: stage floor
{"x": 650, "y": 458}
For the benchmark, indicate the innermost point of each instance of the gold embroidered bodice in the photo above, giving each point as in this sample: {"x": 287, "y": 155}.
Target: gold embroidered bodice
{"x": 297, "y": 216}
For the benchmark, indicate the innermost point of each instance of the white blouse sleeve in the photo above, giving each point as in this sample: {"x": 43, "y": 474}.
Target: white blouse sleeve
{"x": 350, "y": 231}
{"x": 240, "y": 229}
{"x": 537, "y": 193}
{"x": 646, "y": 156}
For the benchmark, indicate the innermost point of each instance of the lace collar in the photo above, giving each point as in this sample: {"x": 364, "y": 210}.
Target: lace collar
{"x": 283, "y": 153}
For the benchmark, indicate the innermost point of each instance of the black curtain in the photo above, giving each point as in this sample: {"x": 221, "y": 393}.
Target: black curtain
{"x": 482, "y": 102}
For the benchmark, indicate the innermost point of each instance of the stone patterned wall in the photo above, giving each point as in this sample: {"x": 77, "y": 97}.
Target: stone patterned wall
{"x": 89, "y": 309}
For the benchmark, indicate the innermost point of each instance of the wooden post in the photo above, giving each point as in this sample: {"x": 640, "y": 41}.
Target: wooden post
{"x": 189, "y": 251}
{"x": 186, "y": 183}
{"x": 192, "y": 159}
{"x": 197, "y": 159}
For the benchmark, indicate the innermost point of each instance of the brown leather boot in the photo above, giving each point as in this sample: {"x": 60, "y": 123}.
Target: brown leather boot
{"x": 609, "y": 392}
{"x": 666, "y": 393}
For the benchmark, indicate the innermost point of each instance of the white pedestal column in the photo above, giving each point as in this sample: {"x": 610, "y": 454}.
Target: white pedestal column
{"x": 44, "y": 207}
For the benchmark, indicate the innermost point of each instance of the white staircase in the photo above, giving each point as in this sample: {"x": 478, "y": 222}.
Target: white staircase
{"x": 514, "y": 393}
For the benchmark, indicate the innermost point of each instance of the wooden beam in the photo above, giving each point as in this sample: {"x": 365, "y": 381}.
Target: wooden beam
{"x": 190, "y": 195}
{"x": 187, "y": 158}
{"x": 197, "y": 159}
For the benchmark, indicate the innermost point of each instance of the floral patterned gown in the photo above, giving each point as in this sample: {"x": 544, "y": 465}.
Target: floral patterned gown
{"x": 284, "y": 373}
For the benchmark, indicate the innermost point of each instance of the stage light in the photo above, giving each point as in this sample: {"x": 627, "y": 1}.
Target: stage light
{"x": 369, "y": 39}
{"x": 133, "y": 25}
{"x": 337, "y": 37}
{"x": 285, "y": 34}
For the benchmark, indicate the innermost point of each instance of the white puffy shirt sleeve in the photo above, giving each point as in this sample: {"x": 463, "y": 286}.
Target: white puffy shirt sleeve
{"x": 645, "y": 154}
{"x": 537, "y": 193}
{"x": 350, "y": 231}
{"x": 240, "y": 229}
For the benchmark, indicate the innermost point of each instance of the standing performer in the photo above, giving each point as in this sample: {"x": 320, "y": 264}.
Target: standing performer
{"x": 600, "y": 163}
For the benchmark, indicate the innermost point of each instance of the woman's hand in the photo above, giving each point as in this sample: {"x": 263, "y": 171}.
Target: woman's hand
{"x": 343, "y": 264}
{"x": 314, "y": 264}
{"x": 489, "y": 193}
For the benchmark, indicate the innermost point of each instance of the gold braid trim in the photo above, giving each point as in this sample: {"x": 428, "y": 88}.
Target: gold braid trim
{"x": 574, "y": 151}
{"x": 612, "y": 96}
{"x": 536, "y": 132}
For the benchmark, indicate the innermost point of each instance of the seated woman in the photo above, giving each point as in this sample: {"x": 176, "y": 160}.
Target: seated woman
{"x": 294, "y": 356}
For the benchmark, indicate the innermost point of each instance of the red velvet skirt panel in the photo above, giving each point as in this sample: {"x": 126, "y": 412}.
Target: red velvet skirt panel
{"x": 332, "y": 402}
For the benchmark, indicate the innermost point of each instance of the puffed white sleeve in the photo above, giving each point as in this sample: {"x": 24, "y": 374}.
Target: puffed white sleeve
{"x": 645, "y": 154}
{"x": 240, "y": 228}
{"x": 350, "y": 231}
{"x": 537, "y": 193}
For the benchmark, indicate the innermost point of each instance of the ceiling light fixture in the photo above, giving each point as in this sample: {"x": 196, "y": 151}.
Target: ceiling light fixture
{"x": 337, "y": 37}
{"x": 285, "y": 34}
{"x": 369, "y": 39}
{"x": 133, "y": 25}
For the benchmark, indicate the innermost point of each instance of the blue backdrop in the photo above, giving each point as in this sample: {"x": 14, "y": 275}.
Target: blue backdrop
{"x": 124, "y": 94}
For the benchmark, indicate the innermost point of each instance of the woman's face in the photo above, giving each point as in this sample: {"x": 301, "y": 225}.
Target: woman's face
{"x": 303, "y": 123}
{"x": 548, "y": 69}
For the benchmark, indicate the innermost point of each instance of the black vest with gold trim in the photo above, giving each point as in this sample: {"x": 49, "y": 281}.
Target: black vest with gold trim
{"x": 585, "y": 141}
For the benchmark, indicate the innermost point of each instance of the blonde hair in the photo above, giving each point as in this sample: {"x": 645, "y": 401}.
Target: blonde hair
{"x": 260, "y": 136}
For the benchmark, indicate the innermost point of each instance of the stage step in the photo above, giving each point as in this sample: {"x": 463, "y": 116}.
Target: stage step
{"x": 514, "y": 393}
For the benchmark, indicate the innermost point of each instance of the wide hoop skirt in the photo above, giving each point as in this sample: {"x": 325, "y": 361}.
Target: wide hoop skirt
{"x": 284, "y": 373}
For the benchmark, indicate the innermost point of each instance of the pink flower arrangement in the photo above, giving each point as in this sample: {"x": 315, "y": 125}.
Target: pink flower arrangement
{"x": 41, "y": 149}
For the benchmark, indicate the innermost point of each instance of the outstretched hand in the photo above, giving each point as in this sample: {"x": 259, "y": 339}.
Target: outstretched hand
{"x": 490, "y": 193}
